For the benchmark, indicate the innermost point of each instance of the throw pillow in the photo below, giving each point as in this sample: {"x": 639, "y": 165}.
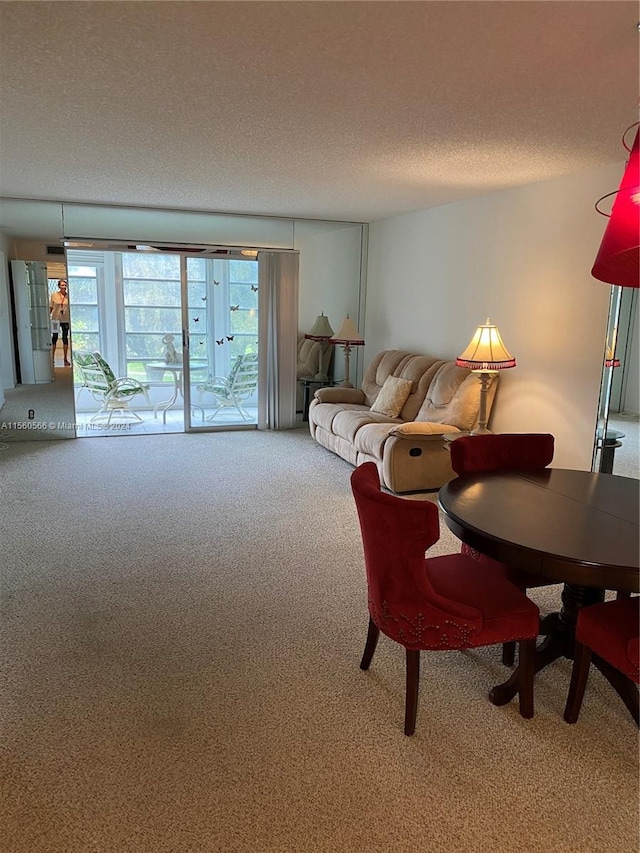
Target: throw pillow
{"x": 392, "y": 397}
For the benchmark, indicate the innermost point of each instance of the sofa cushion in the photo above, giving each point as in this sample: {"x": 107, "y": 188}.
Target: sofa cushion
{"x": 370, "y": 439}
{"x": 324, "y": 414}
{"x": 392, "y": 397}
{"x": 452, "y": 398}
{"x": 346, "y": 424}
{"x": 340, "y": 394}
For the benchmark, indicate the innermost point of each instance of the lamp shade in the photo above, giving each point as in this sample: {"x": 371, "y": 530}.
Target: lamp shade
{"x": 348, "y": 333}
{"x": 321, "y": 329}
{"x": 617, "y": 261}
{"x": 486, "y": 351}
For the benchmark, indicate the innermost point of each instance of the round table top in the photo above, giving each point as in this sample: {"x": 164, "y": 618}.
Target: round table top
{"x": 160, "y": 365}
{"x": 573, "y": 526}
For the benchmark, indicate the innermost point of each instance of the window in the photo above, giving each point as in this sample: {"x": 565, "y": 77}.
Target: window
{"x": 151, "y": 301}
{"x": 83, "y": 298}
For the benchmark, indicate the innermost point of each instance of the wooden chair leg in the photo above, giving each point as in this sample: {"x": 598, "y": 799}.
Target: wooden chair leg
{"x": 527, "y": 671}
{"x": 508, "y": 653}
{"x": 372, "y": 641}
{"x": 626, "y": 689}
{"x": 413, "y": 683}
{"x": 579, "y": 675}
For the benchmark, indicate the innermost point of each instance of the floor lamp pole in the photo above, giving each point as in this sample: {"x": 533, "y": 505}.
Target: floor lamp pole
{"x": 485, "y": 381}
{"x": 346, "y": 382}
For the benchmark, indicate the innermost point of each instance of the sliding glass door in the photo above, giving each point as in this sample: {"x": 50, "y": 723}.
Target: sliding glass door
{"x": 221, "y": 320}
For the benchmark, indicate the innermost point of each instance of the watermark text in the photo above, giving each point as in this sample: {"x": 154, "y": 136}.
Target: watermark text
{"x": 60, "y": 425}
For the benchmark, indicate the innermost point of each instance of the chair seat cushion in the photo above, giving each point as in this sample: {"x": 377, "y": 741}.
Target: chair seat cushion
{"x": 507, "y": 614}
{"x": 611, "y": 630}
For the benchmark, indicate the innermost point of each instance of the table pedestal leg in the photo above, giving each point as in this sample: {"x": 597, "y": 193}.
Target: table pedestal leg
{"x": 165, "y": 405}
{"x": 558, "y": 643}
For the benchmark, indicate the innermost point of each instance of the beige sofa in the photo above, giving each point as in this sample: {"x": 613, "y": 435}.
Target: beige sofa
{"x": 408, "y": 449}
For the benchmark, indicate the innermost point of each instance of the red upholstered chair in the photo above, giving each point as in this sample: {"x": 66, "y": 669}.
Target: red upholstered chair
{"x": 472, "y": 454}
{"x": 434, "y": 603}
{"x": 610, "y": 630}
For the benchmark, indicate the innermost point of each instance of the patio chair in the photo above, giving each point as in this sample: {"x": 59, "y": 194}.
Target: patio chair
{"x": 234, "y": 390}
{"x": 114, "y": 395}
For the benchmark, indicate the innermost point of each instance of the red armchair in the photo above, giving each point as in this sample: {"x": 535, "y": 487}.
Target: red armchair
{"x": 503, "y": 452}
{"x": 437, "y": 603}
{"x": 610, "y": 630}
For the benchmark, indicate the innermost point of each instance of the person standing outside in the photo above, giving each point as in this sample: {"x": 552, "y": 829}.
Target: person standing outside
{"x": 59, "y": 313}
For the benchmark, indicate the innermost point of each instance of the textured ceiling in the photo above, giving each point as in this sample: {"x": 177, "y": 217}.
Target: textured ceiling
{"x": 340, "y": 110}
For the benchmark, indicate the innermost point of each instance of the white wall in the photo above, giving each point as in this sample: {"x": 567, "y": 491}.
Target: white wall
{"x": 523, "y": 258}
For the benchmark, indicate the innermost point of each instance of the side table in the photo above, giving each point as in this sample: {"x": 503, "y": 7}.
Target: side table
{"x": 308, "y": 384}
{"x": 608, "y": 449}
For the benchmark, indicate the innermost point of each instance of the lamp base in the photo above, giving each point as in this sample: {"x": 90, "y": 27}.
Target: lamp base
{"x": 481, "y": 431}
{"x": 321, "y": 377}
{"x": 346, "y": 384}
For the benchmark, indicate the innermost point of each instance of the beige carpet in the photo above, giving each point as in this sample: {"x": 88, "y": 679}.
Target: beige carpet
{"x": 182, "y": 622}
{"x": 39, "y": 412}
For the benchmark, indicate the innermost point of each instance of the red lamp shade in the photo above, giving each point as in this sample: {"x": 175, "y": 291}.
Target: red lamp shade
{"x": 617, "y": 261}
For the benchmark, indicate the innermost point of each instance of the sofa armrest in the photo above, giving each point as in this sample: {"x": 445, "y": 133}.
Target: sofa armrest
{"x": 416, "y": 429}
{"x": 340, "y": 395}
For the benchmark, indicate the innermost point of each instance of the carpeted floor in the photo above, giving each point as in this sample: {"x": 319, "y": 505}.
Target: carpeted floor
{"x": 182, "y": 622}
{"x": 626, "y": 460}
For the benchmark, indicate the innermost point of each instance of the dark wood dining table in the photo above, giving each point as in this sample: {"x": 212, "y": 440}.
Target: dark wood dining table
{"x": 578, "y": 528}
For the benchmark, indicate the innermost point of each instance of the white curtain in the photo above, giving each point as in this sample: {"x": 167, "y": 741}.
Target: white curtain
{"x": 278, "y": 334}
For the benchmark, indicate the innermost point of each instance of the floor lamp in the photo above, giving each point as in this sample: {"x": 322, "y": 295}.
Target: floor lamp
{"x": 485, "y": 355}
{"x": 347, "y": 336}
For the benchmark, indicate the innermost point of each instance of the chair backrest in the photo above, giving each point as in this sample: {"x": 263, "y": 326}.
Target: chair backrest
{"x": 501, "y": 452}
{"x": 243, "y": 377}
{"x": 95, "y": 373}
{"x": 396, "y": 532}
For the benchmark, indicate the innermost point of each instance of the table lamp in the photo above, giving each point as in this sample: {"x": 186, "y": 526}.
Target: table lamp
{"x": 347, "y": 336}
{"x": 322, "y": 332}
{"x": 610, "y": 359}
{"x": 485, "y": 355}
